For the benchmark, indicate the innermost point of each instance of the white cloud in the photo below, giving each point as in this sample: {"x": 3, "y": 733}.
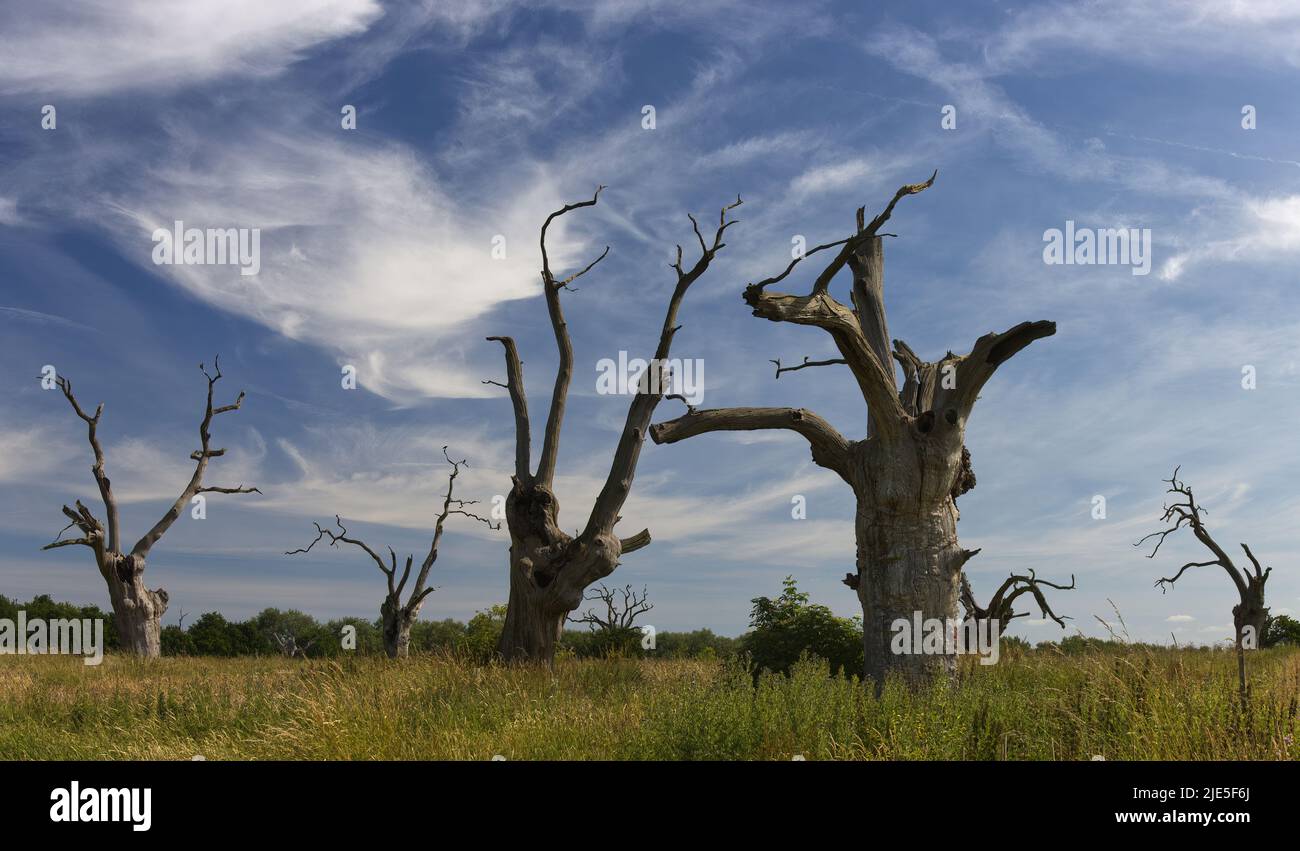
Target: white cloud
{"x": 9, "y": 212}
{"x": 757, "y": 147}
{"x": 25, "y": 453}
{"x": 1179, "y": 619}
{"x": 1150, "y": 31}
{"x": 92, "y": 47}
{"x": 986, "y": 105}
{"x": 1260, "y": 228}
{"x": 835, "y": 177}
{"x": 363, "y": 253}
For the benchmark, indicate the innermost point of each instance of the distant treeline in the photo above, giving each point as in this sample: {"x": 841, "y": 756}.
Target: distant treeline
{"x": 781, "y": 630}
{"x": 274, "y": 632}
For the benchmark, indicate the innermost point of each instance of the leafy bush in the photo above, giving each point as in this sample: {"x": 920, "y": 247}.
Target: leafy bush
{"x": 1279, "y": 630}
{"x": 787, "y": 628}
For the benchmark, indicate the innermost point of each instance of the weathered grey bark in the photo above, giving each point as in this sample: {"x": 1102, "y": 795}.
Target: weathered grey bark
{"x": 137, "y": 611}
{"x": 1250, "y": 613}
{"x": 396, "y": 621}
{"x": 396, "y": 617}
{"x": 550, "y": 570}
{"x": 913, "y": 464}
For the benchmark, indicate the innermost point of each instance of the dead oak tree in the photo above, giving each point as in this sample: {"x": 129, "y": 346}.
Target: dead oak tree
{"x": 618, "y": 617}
{"x": 550, "y": 569}
{"x": 614, "y": 631}
{"x": 137, "y": 611}
{"x": 1250, "y": 613}
{"x": 913, "y": 464}
{"x": 397, "y": 617}
{"x": 1001, "y": 607}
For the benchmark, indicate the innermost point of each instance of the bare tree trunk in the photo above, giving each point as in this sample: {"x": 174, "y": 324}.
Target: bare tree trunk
{"x": 396, "y": 621}
{"x": 912, "y": 465}
{"x": 909, "y": 563}
{"x": 1250, "y": 614}
{"x": 549, "y": 569}
{"x": 137, "y": 611}
{"x": 532, "y": 629}
{"x": 549, "y": 572}
{"x": 395, "y": 618}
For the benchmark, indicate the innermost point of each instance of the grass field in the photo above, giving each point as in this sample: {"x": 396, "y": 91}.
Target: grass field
{"x": 1133, "y": 704}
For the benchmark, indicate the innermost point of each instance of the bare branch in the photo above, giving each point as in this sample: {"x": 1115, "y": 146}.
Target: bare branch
{"x": 805, "y": 365}
{"x": 564, "y": 372}
{"x": 449, "y": 500}
{"x": 903, "y": 191}
{"x": 101, "y": 477}
{"x": 1163, "y": 584}
{"x": 565, "y": 283}
{"x": 875, "y": 377}
{"x": 1002, "y": 607}
{"x": 335, "y": 538}
{"x": 201, "y": 457}
{"x": 988, "y": 353}
{"x": 636, "y": 542}
{"x": 515, "y": 384}
{"x": 618, "y": 615}
{"x": 67, "y": 542}
{"x": 215, "y": 489}
{"x": 829, "y": 448}
{"x": 1185, "y": 512}
{"x": 618, "y": 483}
{"x": 796, "y": 261}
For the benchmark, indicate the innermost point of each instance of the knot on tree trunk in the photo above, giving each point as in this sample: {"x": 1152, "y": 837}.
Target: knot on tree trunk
{"x": 965, "y": 479}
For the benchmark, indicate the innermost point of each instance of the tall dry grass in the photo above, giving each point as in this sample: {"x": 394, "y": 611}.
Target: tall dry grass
{"x": 1136, "y": 703}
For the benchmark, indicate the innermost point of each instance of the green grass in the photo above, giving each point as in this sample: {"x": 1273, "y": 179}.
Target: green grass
{"x": 1132, "y": 704}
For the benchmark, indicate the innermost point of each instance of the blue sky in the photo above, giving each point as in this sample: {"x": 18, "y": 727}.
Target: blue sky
{"x": 477, "y": 119}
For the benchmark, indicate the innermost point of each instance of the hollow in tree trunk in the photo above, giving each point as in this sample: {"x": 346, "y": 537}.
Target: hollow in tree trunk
{"x": 137, "y": 611}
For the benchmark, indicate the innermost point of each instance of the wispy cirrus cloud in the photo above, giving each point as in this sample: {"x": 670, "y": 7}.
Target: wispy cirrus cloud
{"x": 94, "y": 47}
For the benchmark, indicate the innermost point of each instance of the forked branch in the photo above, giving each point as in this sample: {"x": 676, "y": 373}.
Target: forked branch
{"x": 564, "y": 372}
{"x": 397, "y": 583}
{"x": 618, "y": 484}
{"x": 1002, "y": 606}
{"x": 201, "y": 456}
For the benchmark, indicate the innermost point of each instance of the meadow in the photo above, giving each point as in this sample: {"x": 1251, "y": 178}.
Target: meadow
{"x": 1133, "y": 704}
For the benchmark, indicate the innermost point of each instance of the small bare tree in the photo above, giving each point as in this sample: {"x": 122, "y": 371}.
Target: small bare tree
{"x": 614, "y": 630}
{"x": 137, "y": 611}
{"x": 1002, "y": 606}
{"x": 396, "y": 616}
{"x": 618, "y": 616}
{"x": 289, "y": 646}
{"x": 1250, "y": 613}
{"x": 908, "y": 471}
{"x": 549, "y": 569}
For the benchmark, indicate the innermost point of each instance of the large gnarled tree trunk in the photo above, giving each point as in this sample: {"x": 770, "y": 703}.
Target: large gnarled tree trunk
{"x": 396, "y": 617}
{"x": 908, "y": 471}
{"x": 550, "y": 570}
{"x": 137, "y": 611}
